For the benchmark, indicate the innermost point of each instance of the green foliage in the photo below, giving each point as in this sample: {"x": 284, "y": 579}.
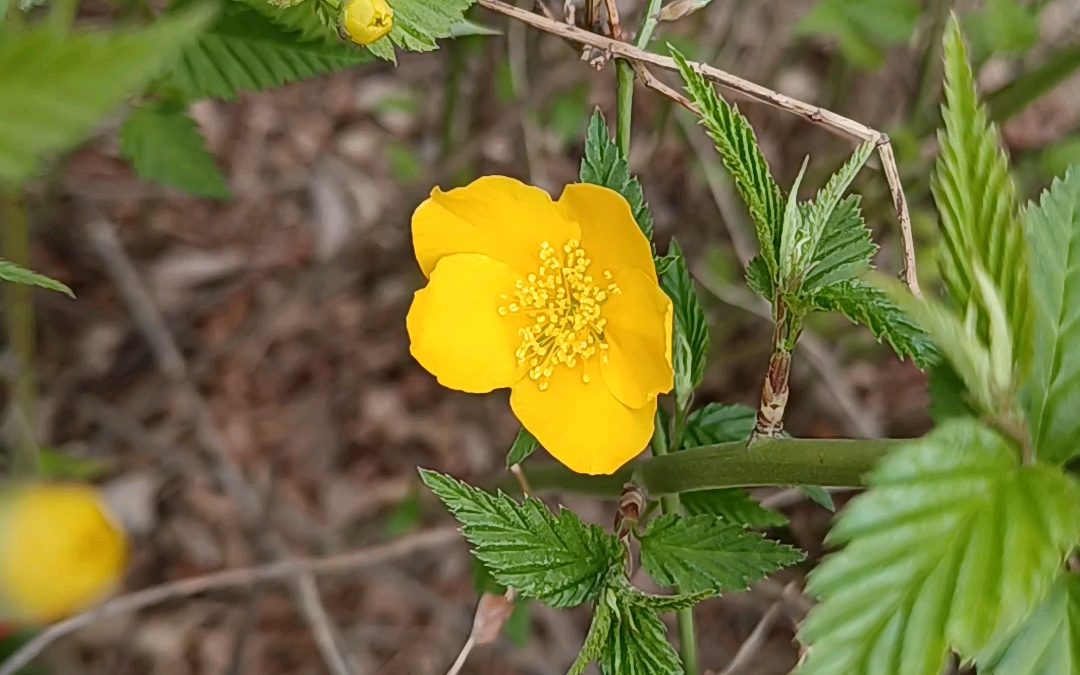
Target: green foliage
{"x": 556, "y": 559}
{"x": 1048, "y": 642}
{"x": 306, "y": 19}
{"x": 1053, "y": 389}
{"x": 1032, "y": 85}
{"x": 524, "y": 445}
{"x": 977, "y": 203}
{"x": 1000, "y": 27}
{"x": 604, "y": 164}
{"x": 245, "y": 50}
{"x": 53, "y": 88}
{"x": 418, "y": 23}
{"x": 595, "y": 639}
{"x": 759, "y": 279}
{"x": 637, "y": 643}
{"x": 820, "y": 216}
{"x": 844, "y": 250}
{"x": 17, "y": 274}
{"x": 948, "y": 395}
{"x": 690, "y": 327}
{"x": 56, "y": 465}
{"x": 663, "y": 604}
{"x": 716, "y": 423}
{"x": 865, "y": 304}
{"x": 953, "y": 546}
{"x": 862, "y": 28}
{"x": 794, "y": 235}
{"x": 164, "y": 144}
{"x": 703, "y": 552}
{"x": 738, "y": 148}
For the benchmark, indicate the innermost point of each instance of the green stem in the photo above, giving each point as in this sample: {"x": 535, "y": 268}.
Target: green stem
{"x": 765, "y": 461}
{"x": 624, "y": 93}
{"x": 19, "y": 312}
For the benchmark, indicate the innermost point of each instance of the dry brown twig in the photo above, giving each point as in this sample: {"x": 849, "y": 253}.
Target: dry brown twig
{"x": 246, "y": 576}
{"x": 827, "y": 118}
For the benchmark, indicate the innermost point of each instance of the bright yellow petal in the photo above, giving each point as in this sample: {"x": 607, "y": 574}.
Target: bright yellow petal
{"x": 455, "y": 329}
{"x": 609, "y": 234}
{"x": 496, "y": 216}
{"x": 582, "y": 424}
{"x": 60, "y": 551}
{"x": 638, "y": 334}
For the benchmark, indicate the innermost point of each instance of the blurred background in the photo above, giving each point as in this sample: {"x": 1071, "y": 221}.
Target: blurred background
{"x": 284, "y": 345}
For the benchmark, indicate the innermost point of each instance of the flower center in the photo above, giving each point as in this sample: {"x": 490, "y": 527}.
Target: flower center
{"x": 564, "y": 305}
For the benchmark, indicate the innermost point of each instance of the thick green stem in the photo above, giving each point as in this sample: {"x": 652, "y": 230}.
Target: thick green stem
{"x": 624, "y": 94}
{"x": 765, "y": 461}
{"x": 19, "y": 312}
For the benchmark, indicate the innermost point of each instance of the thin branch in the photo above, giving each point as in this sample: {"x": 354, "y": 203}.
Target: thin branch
{"x": 827, "y": 118}
{"x": 246, "y": 576}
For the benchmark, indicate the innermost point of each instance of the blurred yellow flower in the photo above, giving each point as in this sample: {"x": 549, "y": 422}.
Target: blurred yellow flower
{"x": 367, "y": 20}
{"x": 558, "y": 301}
{"x": 60, "y": 551}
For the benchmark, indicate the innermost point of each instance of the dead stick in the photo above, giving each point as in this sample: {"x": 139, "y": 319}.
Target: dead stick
{"x": 246, "y": 576}
{"x": 811, "y": 113}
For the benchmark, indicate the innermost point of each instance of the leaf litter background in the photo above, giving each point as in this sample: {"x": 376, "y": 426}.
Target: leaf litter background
{"x": 288, "y": 304}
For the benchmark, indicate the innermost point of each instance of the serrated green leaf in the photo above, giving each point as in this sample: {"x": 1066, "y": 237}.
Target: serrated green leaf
{"x": 820, "y": 222}
{"x": 819, "y": 496}
{"x": 662, "y": 604}
{"x": 302, "y": 18}
{"x": 383, "y": 48}
{"x": 595, "y": 639}
{"x": 976, "y": 200}
{"x": 794, "y": 234}
{"x": 1048, "y": 642}
{"x": 703, "y": 552}
{"x": 17, "y": 274}
{"x": 689, "y": 323}
{"x": 758, "y": 278}
{"x": 245, "y": 50}
{"x": 164, "y": 144}
{"x": 1053, "y": 389}
{"x": 637, "y": 644}
{"x": 738, "y": 148}
{"x": 554, "y": 558}
{"x": 867, "y": 305}
{"x": 524, "y": 445}
{"x": 715, "y": 423}
{"x": 418, "y": 23}
{"x": 604, "y": 164}
{"x": 844, "y": 250}
{"x": 1032, "y": 85}
{"x": 54, "y": 88}
{"x": 954, "y": 544}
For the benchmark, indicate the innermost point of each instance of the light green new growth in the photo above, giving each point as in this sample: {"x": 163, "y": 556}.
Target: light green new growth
{"x": 1048, "y": 642}
{"x": 604, "y": 164}
{"x": 17, "y": 274}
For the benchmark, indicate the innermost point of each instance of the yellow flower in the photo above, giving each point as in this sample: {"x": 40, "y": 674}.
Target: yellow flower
{"x": 558, "y": 301}
{"x": 367, "y": 20}
{"x": 60, "y": 551}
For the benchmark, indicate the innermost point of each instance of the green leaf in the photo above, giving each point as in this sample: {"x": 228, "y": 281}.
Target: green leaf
{"x": 55, "y": 465}
{"x": 637, "y": 643}
{"x": 1053, "y": 389}
{"x": 1002, "y": 27}
{"x": 845, "y": 248}
{"x": 862, "y": 28}
{"x": 418, "y": 23}
{"x": 690, "y": 324}
{"x": 466, "y": 28}
{"x": 305, "y": 19}
{"x": 738, "y": 148}
{"x": 1032, "y": 85}
{"x": 794, "y": 234}
{"x": 164, "y": 144}
{"x": 664, "y": 604}
{"x": 1048, "y": 642}
{"x": 595, "y": 639}
{"x": 977, "y": 202}
{"x": 759, "y": 279}
{"x": 948, "y": 395}
{"x": 954, "y": 544}
{"x": 716, "y": 423}
{"x": 556, "y": 559}
{"x": 54, "y": 88}
{"x": 865, "y": 304}
{"x": 524, "y": 445}
{"x": 819, "y": 496}
{"x": 604, "y": 164}
{"x": 825, "y": 203}
{"x": 703, "y": 552}
{"x": 244, "y": 50}
{"x": 17, "y": 274}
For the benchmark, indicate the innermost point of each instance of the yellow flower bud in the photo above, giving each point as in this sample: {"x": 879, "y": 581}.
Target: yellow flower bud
{"x": 61, "y": 551}
{"x": 368, "y": 20}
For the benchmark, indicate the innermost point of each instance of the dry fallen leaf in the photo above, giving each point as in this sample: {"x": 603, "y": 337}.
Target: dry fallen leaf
{"x": 491, "y": 614}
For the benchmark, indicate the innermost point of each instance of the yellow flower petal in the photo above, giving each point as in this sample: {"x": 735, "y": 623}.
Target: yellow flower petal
{"x": 455, "y": 329}
{"x": 609, "y": 233}
{"x": 496, "y": 216}
{"x": 638, "y": 334}
{"x": 60, "y": 551}
{"x": 582, "y": 424}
